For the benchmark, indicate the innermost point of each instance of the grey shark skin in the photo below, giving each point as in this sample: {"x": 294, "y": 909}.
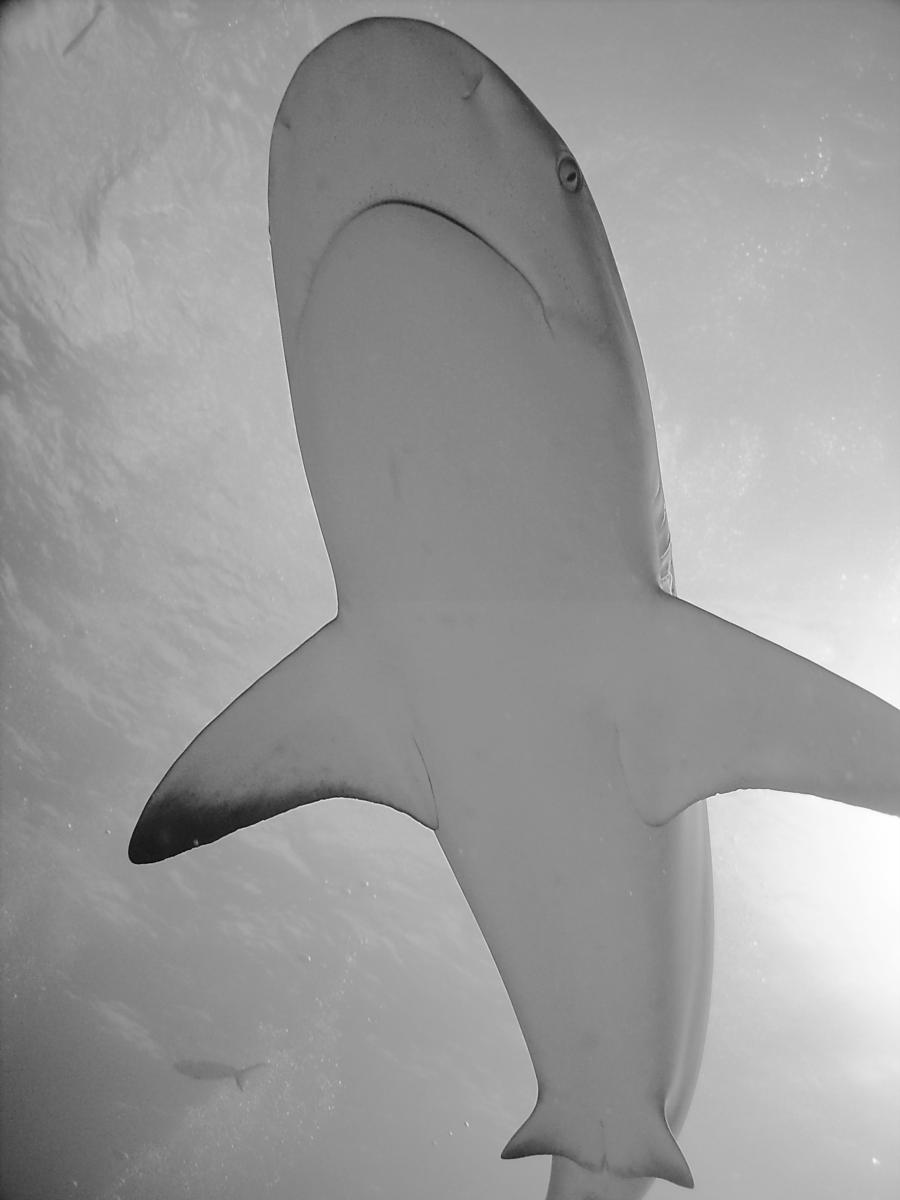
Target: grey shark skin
{"x": 202, "y": 1068}
{"x": 509, "y": 663}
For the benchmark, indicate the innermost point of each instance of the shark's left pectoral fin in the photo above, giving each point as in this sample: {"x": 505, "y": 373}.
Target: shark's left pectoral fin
{"x": 324, "y": 722}
{"x": 718, "y": 708}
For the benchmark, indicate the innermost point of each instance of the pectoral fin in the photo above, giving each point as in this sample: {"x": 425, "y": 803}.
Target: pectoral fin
{"x": 321, "y": 723}
{"x": 721, "y": 709}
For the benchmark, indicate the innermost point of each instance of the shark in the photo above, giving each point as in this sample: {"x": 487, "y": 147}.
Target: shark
{"x": 202, "y": 1068}
{"x": 510, "y": 664}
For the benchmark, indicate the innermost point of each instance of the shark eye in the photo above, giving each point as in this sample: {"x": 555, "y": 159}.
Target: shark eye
{"x": 569, "y": 173}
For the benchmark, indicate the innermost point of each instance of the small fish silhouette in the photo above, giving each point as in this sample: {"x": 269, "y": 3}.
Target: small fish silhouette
{"x": 202, "y": 1068}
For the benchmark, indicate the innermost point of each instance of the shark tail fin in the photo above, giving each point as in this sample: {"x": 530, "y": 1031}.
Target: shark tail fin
{"x": 542, "y": 1133}
{"x": 324, "y": 722}
{"x": 759, "y": 716}
{"x": 241, "y": 1074}
{"x": 638, "y": 1145}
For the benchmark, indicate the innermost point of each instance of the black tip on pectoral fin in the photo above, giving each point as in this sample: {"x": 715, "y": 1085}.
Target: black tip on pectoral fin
{"x": 321, "y": 723}
{"x": 176, "y": 819}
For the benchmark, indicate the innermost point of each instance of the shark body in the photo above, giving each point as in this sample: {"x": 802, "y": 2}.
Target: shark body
{"x": 510, "y": 664}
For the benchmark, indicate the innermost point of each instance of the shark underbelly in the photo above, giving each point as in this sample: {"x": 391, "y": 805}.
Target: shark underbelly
{"x": 600, "y": 924}
{"x": 488, "y": 462}
{"x": 503, "y": 494}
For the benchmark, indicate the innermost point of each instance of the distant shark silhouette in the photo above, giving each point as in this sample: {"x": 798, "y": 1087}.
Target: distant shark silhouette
{"x": 509, "y": 664}
{"x": 202, "y": 1068}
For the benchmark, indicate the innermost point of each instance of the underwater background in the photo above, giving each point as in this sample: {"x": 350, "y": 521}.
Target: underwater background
{"x": 160, "y": 551}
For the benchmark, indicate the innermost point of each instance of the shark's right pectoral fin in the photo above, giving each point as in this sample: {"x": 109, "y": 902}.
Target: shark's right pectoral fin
{"x": 319, "y": 724}
{"x": 718, "y": 708}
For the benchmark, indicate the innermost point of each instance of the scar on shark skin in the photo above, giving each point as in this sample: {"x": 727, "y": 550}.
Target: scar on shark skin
{"x": 510, "y": 664}
{"x": 473, "y": 87}
{"x": 82, "y": 33}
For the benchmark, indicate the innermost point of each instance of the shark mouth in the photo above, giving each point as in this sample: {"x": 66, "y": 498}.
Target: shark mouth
{"x": 446, "y": 216}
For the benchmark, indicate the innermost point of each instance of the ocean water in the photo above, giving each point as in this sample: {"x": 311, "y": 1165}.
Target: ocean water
{"x": 160, "y": 550}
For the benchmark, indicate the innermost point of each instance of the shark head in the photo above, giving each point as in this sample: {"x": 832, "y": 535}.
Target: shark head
{"x": 395, "y": 126}
{"x": 402, "y": 111}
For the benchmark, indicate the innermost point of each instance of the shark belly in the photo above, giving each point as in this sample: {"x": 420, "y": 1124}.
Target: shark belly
{"x": 478, "y": 564}
{"x": 488, "y": 465}
{"x": 600, "y": 925}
